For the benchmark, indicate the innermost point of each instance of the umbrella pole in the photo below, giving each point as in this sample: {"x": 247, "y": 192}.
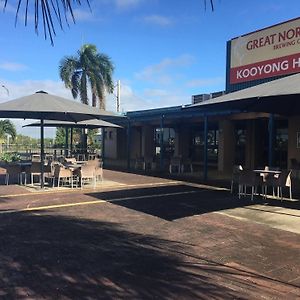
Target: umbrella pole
{"x": 71, "y": 141}
{"x": 42, "y": 153}
{"x": 67, "y": 142}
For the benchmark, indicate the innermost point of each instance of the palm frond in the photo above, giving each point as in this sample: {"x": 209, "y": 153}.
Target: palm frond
{"x": 7, "y": 127}
{"x": 50, "y": 11}
{"x": 67, "y": 67}
{"x": 211, "y": 2}
{"x": 89, "y": 69}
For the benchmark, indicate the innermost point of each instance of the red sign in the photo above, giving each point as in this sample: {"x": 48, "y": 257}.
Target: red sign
{"x": 266, "y": 53}
{"x": 265, "y": 69}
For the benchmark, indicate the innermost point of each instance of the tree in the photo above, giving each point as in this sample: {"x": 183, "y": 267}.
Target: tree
{"x": 7, "y": 128}
{"x": 88, "y": 70}
{"x": 51, "y": 12}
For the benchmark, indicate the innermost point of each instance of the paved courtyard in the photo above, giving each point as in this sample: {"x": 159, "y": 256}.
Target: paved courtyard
{"x": 141, "y": 237}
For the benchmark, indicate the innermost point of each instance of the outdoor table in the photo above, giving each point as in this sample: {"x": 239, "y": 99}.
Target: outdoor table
{"x": 265, "y": 174}
{"x": 267, "y": 171}
{"x": 74, "y": 168}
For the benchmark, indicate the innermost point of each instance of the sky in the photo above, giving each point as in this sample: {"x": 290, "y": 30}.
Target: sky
{"x": 164, "y": 51}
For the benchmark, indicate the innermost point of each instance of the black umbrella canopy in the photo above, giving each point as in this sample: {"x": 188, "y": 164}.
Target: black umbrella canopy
{"x": 91, "y": 124}
{"x": 42, "y": 105}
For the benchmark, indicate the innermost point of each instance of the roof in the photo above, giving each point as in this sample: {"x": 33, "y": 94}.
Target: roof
{"x": 277, "y": 96}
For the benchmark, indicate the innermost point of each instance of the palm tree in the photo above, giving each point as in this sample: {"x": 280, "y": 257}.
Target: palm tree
{"x": 7, "y": 127}
{"x": 88, "y": 70}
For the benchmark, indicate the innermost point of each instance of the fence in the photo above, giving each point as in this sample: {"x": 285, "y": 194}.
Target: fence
{"x": 26, "y": 151}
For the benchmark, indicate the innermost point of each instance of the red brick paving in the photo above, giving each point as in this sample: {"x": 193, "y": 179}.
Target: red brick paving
{"x": 174, "y": 246}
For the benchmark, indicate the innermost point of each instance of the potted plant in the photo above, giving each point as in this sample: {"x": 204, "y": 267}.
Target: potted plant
{"x": 10, "y": 157}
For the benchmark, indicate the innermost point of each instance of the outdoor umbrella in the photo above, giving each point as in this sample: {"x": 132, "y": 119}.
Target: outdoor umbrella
{"x": 44, "y": 106}
{"x": 89, "y": 124}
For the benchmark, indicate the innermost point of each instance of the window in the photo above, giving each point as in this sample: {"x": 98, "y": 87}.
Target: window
{"x": 168, "y": 141}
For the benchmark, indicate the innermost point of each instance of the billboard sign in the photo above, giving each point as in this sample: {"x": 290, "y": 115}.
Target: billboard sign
{"x": 269, "y": 52}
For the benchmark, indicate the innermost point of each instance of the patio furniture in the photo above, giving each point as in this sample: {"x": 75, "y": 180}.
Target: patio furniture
{"x": 35, "y": 171}
{"x": 71, "y": 160}
{"x": 281, "y": 180}
{"x": 267, "y": 174}
{"x": 13, "y": 173}
{"x": 175, "y": 163}
{"x": 87, "y": 174}
{"x": 42, "y": 106}
{"x": 50, "y": 172}
{"x": 98, "y": 171}
{"x": 63, "y": 175}
{"x": 36, "y": 157}
{"x": 235, "y": 178}
{"x": 248, "y": 178}
{"x": 187, "y": 163}
{"x": 140, "y": 163}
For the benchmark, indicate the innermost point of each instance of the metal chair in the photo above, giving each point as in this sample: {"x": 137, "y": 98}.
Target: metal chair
{"x": 282, "y": 180}
{"x": 248, "y": 178}
{"x": 175, "y": 162}
{"x": 187, "y": 162}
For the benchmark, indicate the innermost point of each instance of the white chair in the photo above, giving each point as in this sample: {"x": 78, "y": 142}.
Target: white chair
{"x": 87, "y": 174}
{"x": 98, "y": 171}
{"x": 236, "y": 171}
{"x": 63, "y": 175}
{"x": 35, "y": 171}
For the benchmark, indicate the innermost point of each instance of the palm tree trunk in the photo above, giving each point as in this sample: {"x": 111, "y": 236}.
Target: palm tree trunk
{"x": 102, "y": 103}
{"x": 94, "y": 99}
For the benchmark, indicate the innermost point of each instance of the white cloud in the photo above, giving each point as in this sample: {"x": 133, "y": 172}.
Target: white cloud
{"x": 23, "y": 88}
{"x": 83, "y": 15}
{"x": 27, "y": 87}
{"x": 203, "y": 82}
{"x": 11, "y": 66}
{"x": 159, "y": 72}
{"x": 147, "y": 99}
{"x": 9, "y": 8}
{"x": 155, "y": 93}
{"x": 127, "y": 4}
{"x": 128, "y": 101}
{"x": 158, "y": 20}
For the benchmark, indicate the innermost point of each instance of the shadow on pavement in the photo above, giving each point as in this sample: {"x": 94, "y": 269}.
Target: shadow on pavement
{"x": 174, "y": 202}
{"x": 54, "y": 257}
{"x": 58, "y": 257}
